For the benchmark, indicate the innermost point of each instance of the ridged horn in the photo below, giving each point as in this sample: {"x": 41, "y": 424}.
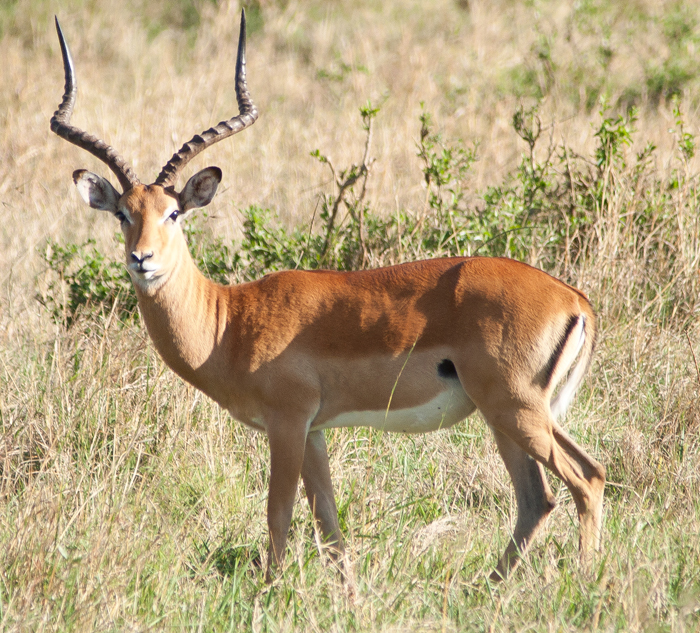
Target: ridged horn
{"x": 247, "y": 115}
{"x": 60, "y": 124}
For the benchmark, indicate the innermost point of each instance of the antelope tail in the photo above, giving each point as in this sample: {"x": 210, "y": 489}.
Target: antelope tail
{"x": 581, "y": 338}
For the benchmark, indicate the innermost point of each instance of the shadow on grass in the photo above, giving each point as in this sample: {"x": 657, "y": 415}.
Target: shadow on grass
{"x": 230, "y": 559}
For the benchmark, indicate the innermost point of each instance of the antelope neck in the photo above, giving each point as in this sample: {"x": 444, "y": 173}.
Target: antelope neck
{"x": 186, "y": 318}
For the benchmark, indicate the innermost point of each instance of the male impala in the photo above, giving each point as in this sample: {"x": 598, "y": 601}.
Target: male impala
{"x": 409, "y": 348}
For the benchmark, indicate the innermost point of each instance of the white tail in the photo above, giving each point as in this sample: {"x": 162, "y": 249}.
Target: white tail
{"x": 580, "y": 341}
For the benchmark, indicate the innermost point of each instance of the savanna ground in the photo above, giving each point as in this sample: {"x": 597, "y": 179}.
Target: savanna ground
{"x": 559, "y": 133}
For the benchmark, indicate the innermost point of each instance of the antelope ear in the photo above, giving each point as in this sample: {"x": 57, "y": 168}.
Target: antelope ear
{"x": 96, "y": 191}
{"x": 200, "y": 189}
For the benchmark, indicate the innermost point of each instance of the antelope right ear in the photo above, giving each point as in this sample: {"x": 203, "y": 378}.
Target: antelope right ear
{"x": 96, "y": 191}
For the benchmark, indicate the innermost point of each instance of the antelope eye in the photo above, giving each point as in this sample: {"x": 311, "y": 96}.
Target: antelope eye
{"x": 120, "y": 216}
{"x": 174, "y": 215}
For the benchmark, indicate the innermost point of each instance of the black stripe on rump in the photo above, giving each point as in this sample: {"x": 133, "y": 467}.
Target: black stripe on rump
{"x": 556, "y": 355}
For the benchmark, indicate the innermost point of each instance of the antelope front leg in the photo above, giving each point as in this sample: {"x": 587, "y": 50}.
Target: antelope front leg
{"x": 316, "y": 475}
{"x": 287, "y": 443}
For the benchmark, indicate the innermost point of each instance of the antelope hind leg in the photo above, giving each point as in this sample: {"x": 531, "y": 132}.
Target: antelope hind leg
{"x": 537, "y": 433}
{"x": 534, "y": 501}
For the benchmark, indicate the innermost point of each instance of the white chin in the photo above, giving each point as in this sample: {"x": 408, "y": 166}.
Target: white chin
{"x": 147, "y": 282}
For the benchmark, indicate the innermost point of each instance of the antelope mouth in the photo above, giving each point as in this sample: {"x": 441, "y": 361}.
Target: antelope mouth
{"x": 144, "y": 272}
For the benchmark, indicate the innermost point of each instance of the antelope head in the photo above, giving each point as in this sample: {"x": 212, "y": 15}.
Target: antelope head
{"x": 150, "y": 215}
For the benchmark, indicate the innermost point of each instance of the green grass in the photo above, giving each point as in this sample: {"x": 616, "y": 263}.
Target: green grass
{"x": 146, "y": 509}
{"x": 129, "y": 502}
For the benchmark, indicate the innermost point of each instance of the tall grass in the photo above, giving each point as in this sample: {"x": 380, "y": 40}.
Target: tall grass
{"x": 130, "y": 502}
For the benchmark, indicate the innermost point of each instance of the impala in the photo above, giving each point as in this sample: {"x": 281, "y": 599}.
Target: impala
{"x": 410, "y": 348}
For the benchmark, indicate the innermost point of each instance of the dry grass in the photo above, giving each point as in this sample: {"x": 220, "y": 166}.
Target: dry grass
{"x": 129, "y": 502}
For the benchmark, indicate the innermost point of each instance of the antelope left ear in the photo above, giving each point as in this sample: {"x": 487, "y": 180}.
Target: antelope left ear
{"x": 200, "y": 189}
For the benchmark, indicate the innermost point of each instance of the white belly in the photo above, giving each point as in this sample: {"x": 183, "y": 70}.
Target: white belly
{"x": 442, "y": 412}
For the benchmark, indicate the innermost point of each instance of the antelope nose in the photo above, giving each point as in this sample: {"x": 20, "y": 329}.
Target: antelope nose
{"x": 139, "y": 258}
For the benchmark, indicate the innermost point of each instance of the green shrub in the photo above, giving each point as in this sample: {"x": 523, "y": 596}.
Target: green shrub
{"x": 82, "y": 281}
{"x": 85, "y": 282}
{"x": 554, "y": 209}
